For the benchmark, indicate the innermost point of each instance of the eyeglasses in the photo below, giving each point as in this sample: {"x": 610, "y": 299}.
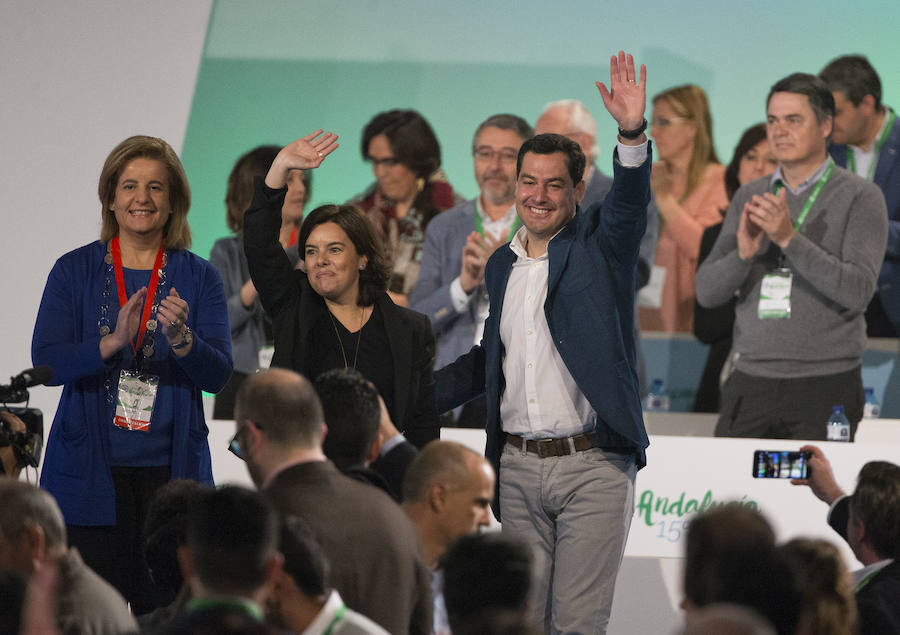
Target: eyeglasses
{"x": 388, "y": 162}
{"x": 489, "y": 154}
{"x": 234, "y": 446}
{"x": 662, "y": 122}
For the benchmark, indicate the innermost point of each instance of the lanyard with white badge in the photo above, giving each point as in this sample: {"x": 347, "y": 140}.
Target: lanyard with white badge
{"x": 775, "y": 291}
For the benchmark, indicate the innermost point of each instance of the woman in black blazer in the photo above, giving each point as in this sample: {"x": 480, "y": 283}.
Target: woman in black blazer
{"x": 333, "y": 310}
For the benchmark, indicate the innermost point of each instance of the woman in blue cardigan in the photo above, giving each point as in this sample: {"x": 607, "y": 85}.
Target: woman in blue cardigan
{"x": 135, "y": 327}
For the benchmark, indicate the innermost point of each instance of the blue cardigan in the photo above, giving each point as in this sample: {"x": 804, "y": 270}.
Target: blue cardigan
{"x": 76, "y": 466}
{"x": 590, "y": 312}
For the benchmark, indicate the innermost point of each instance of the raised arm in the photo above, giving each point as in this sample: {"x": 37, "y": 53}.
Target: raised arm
{"x": 626, "y": 97}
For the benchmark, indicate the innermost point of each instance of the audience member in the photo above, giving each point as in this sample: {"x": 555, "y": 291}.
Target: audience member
{"x": 251, "y": 335}
{"x": 362, "y": 442}
{"x": 487, "y": 578}
{"x": 752, "y": 160}
{"x": 375, "y": 555}
{"x": 447, "y": 494}
{"x": 829, "y": 607}
{"x": 557, "y": 363}
{"x": 32, "y": 535}
{"x": 450, "y": 289}
{"x": 10, "y": 462}
{"x": 726, "y": 619}
{"x": 571, "y": 118}
{"x": 804, "y": 273}
{"x": 866, "y": 142}
{"x": 730, "y": 556}
{"x": 409, "y": 190}
{"x": 689, "y": 189}
{"x": 300, "y": 601}
{"x": 869, "y": 520}
{"x": 165, "y": 531}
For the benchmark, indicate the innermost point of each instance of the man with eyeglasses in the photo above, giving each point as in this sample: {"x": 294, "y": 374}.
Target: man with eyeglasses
{"x": 450, "y": 289}
{"x": 375, "y": 554}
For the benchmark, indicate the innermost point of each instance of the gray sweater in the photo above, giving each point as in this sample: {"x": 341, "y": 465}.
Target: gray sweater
{"x": 834, "y": 259}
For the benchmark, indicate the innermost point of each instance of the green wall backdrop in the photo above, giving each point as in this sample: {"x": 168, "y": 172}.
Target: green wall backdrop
{"x": 274, "y": 70}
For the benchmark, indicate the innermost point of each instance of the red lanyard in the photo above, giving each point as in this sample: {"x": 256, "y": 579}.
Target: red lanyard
{"x": 151, "y": 289}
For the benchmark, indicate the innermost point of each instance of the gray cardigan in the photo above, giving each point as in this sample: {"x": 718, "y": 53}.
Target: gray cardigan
{"x": 834, "y": 259}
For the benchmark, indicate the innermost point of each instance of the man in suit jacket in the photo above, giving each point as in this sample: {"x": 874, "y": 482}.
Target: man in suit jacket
{"x": 450, "y": 288}
{"x": 869, "y": 520}
{"x": 557, "y": 365}
{"x": 375, "y": 555}
{"x": 866, "y": 141}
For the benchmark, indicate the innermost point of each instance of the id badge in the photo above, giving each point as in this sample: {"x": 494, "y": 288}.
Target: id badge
{"x": 775, "y": 295}
{"x": 265, "y": 356}
{"x": 134, "y": 404}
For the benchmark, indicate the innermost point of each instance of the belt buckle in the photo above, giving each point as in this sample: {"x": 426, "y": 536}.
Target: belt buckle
{"x": 545, "y": 447}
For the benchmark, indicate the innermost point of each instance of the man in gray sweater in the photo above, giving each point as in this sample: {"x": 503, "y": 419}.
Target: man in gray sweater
{"x": 801, "y": 250}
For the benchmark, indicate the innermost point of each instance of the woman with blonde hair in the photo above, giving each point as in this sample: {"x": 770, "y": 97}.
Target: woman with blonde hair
{"x": 688, "y": 184}
{"x": 135, "y": 328}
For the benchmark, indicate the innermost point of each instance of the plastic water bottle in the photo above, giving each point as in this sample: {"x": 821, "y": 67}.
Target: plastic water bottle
{"x": 872, "y": 409}
{"x": 838, "y": 426}
{"x": 657, "y": 400}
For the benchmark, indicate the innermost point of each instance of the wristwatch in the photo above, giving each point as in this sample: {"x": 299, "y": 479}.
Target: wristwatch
{"x": 186, "y": 338}
{"x": 634, "y": 134}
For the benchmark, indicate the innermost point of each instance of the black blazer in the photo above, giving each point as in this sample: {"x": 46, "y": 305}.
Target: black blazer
{"x": 294, "y": 308}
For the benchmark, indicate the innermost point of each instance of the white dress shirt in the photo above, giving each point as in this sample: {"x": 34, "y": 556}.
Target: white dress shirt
{"x": 541, "y": 399}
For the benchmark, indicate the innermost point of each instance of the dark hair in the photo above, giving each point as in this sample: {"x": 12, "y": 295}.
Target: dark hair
{"x": 412, "y": 140}
{"x": 365, "y": 238}
{"x": 829, "y": 607}
{"x": 239, "y": 193}
{"x": 352, "y": 414}
{"x": 284, "y": 405}
{"x": 752, "y": 135}
{"x": 504, "y": 122}
{"x": 854, "y": 76}
{"x": 731, "y": 557}
{"x": 876, "y": 503}
{"x": 232, "y": 533}
{"x": 177, "y": 230}
{"x": 166, "y": 530}
{"x": 218, "y": 620}
{"x": 820, "y": 98}
{"x": 485, "y": 572}
{"x": 550, "y": 144}
{"x": 304, "y": 559}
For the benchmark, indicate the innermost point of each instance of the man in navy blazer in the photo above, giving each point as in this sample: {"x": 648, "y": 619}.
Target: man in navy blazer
{"x": 557, "y": 364}
{"x": 867, "y": 142}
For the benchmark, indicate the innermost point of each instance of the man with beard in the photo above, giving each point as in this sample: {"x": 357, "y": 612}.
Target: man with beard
{"x": 450, "y": 289}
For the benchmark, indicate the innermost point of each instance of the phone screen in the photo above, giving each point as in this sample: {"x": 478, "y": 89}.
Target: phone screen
{"x": 780, "y": 464}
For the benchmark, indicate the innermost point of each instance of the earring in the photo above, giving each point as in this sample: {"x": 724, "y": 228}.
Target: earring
{"x": 420, "y": 184}
{"x": 361, "y": 267}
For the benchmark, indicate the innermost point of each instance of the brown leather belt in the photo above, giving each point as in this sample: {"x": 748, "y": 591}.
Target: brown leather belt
{"x": 552, "y": 447}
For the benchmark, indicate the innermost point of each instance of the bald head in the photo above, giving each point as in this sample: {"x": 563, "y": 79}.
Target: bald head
{"x": 570, "y": 118}
{"x": 284, "y": 406}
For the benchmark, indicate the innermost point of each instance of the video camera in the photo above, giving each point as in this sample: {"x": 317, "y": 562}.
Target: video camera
{"x": 27, "y": 444}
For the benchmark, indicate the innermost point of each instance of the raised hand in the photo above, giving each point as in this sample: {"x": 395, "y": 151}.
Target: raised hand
{"x": 749, "y": 235}
{"x": 303, "y": 154}
{"x": 773, "y": 216}
{"x": 475, "y": 255}
{"x": 627, "y": 94}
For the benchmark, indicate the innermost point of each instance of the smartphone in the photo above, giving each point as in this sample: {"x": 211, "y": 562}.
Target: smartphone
{"x": 780, "y": 464}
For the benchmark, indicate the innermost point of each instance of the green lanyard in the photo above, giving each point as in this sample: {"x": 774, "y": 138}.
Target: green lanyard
{"x": 809, "y": 202}
{"x": 812, "y": 195}
{"x": 337, "y": 618}
{"x": 851, "y": 156}
{"x": 479, "y": 226}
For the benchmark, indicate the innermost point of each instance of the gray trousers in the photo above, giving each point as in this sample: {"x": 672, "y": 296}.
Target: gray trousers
{"x": 575, "y": 512}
